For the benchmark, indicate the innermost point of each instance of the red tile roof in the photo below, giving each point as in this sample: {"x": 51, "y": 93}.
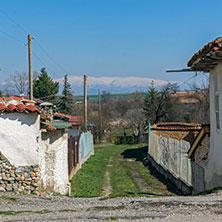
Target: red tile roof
{"x": 17, "y": 97}
{"x": 62, "y": 115}
{"x": 45, "y": 116}
{"x": 17, "y": 104}
{"x": 47, "y": 126}
{"x": 11, "y": 108}
{"x": 76, "y": 120}
{"x": 187, "y": 97}
{"x": 11, "y": 98}
{"x": 207, "y": 57}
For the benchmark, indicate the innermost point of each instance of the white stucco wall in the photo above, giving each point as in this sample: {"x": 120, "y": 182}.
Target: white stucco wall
{"x": 19, "y": 138}
{"x": 213, "y": 173}
{"x": 54, "y": 161}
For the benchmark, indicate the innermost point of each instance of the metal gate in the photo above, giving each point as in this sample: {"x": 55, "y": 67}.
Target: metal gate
{"x": 73, "y": 153}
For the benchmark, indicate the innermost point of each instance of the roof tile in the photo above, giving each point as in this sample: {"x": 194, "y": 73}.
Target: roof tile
{"x": 3, "y": 107}
{"x": 16, "y": 97}
{"x": 206, "y": 58}
{"x": 12, "y": 108}
{"x": 18, "y": 108}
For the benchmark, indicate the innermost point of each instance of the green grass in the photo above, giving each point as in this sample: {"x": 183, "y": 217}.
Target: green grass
{"x": 94, "y": 98}
{"x": 11, "y": 212}
{"x": 42, "y": 211}
{"x": 120, "y": 132}
{"x": 8, "y": 198}
{"x": 89, "y": 180}
{"x": 120, "y": 161}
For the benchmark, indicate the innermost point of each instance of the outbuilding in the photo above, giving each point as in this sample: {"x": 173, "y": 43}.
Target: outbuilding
{"x": 209, "y": 59}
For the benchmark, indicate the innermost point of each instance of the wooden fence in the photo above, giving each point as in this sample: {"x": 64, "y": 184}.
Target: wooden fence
{"x": 73, "y": 153}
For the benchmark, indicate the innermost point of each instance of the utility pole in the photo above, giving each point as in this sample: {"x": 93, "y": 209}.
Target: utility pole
{"x": 100, "y": 117}
{"x": 30, "y": 68}
{"x": 85, "y": 102}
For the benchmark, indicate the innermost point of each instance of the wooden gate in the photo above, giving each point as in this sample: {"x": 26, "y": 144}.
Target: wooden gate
{"x": 73, "y": 154}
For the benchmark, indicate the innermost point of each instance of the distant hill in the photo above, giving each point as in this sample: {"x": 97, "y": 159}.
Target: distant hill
{"x": 95, "y": 98}
{"x": 114, "y": 85}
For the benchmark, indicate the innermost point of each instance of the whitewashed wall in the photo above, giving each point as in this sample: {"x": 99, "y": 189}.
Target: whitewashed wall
{"x": 213, "y": 175}
{"x": 54, "y": 161}
{"x": 19, "y": 138}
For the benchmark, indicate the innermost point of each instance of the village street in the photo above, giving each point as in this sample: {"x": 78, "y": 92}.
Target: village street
{"x": 55, "y": 208}
{"x": 125, "y": 190}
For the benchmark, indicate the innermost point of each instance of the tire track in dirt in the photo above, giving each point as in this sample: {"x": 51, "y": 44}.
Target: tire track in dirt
{"x": 107, "y": 189}
{"x": 137, "y": 178}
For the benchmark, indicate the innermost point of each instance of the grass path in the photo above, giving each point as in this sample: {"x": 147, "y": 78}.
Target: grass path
{"x": 117, "y": 170}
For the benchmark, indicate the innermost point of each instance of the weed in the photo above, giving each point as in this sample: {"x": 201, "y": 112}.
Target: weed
{"x": 8, "y": 198}
{"x": 10, "y": 212}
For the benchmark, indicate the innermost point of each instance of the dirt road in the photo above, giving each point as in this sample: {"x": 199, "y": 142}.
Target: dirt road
{"x": 56, "y": 208}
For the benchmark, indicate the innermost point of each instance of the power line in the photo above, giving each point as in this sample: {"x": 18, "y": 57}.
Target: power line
{"x": 11, "y": 37}
{"x": 46, "y": 53}
{"x": 13, "y": 21}
{"x": 38, "y": 43}
{"x": 38, "y": 58}
{"x": 188, "y": 79}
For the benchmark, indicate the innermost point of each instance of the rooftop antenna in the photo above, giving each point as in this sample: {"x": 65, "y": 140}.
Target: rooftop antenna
{"x": 180, "y": 70}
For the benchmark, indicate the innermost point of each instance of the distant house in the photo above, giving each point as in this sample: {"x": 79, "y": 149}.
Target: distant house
{"x": 75, "y": 121}
{"x": 187, "y": 100}
{"x": 209, "y": 59}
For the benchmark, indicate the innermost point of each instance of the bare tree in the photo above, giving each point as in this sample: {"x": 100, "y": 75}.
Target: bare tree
{"x": 201, "y": 110}
{"x": 158, "y": 104}
{"x": 18, "y": 84}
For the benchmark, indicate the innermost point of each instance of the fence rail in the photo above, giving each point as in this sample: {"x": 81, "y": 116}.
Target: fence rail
{"x": 73, "y": 152}
{"x": 171, "y": 154}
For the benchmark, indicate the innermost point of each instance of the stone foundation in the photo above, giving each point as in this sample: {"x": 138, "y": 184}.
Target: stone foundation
{"x": 18, "y": 179}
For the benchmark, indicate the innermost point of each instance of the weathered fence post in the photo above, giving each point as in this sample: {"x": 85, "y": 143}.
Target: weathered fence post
{"x": 159, "y": 145}
{"x": 169, "y": 152}
{"x": 181, "y": 145}
{"x": 175, "y": 156}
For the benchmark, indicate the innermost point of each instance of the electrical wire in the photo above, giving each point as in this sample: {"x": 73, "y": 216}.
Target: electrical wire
{"x": 188, "y": 79}
{"x": 46, "y": 53}
{"x": 11, "y": 37}
{"x": 13, "y": 21}
{"x": 36, "y": 40}
{"x": 40, "y": 60}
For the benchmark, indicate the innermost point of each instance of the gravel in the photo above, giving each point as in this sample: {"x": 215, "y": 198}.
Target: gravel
{"x": 59, "y": 208}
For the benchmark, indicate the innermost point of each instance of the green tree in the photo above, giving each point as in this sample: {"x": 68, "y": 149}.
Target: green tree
{"x": 66, "y": 102}
{"x": 44, "y": 87}
{"x": 0, "y": 93}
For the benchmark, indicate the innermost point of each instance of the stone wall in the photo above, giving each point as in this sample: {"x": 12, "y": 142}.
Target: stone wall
{"x": 18, "y": 179}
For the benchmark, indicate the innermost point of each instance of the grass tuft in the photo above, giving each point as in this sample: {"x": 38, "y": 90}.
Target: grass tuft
{"x": 8, "y": 198}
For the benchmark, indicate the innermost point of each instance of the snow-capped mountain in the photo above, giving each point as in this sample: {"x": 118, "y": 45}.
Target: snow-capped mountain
{"x": 111, "y": 84}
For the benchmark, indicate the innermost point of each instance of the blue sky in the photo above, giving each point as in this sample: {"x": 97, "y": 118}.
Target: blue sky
{"x": 107, "y": 37}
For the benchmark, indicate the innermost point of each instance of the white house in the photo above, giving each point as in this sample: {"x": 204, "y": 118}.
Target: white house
{"x": 31, "y": 158}
{"x": 209, "y": 59}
